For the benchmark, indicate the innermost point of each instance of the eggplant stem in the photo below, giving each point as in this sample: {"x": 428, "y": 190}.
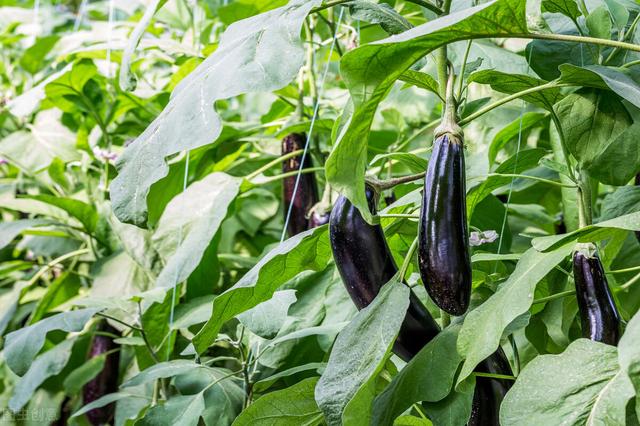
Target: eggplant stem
{"x": 449, "y": 124}
{"x": 383, "y": 185}
{"x": 407, "y": 259}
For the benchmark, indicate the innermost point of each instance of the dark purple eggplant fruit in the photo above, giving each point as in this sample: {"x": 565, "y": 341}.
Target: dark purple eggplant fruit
{"x": 489, "y": 392}
{"x": 598, "y": 313}
{"x": 307, "y": 193}
{"x": 107, "y": 380}
{"x": 365, "y": 264}
{"x": 443, "y": 253}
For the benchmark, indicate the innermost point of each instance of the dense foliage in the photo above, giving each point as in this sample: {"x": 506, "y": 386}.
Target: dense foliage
{"x": 167, "y": 170}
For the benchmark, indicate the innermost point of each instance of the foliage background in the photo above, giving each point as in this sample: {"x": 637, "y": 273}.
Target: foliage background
{"x": 140, "y": 183}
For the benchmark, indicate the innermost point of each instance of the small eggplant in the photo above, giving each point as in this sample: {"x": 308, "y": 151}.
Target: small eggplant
{"x": 107, "y": 380}
{"x": 598, "y": 313}
{"x": 365, "y": 264}
{"x": 306, "y": 196}
{"x": 490, "y": 392}
{"x": 443, "y": 253}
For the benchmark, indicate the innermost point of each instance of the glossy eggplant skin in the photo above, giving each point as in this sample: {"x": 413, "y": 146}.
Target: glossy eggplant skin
{"x": 307, "y": 192}
{"x": 489, "y": 393}
{"x": 107, "y": 380}
{"x": 365, "y": 264}
{"x": 443, "y": 249}
{"x": 598, "y": 313}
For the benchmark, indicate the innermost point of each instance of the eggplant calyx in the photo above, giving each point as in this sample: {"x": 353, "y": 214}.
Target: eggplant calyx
{"x": 588, "y": 250}
{"x": 449, "y": 124}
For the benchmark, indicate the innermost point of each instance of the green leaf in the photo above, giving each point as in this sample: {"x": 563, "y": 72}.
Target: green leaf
{"x": 413, "y": 162}
{"x": 22, "y": 345}
{"x": 268, "y": 317}
{"x": 429, "y": 376}
{"x": 180, "y": 410}
{"x": 568, "y": 8}
{"x": 46, "y": 365}
{"x": 484, "y": 326}
{"x": 292, "y": 406}
{"x": 619, "y": 80}
{"x": 583, "y": 385}
{"x": 82, "y": 375}
{"x": 306, "y": 251}
{"x": 85, "y": 213}
{"x": 379, "y": 13}
{"x": 59, "y": 291}
{"x": 181, "y": 239}
{"x": 421, "y": 80}
{"x": 248, "y": 59}
{"x": 65, "y": 92}
{"x": 354, "y": 360}
{"x": 517, "y": 164}
{"x": 595, "y": 232}
{"x": 455, "y": 409}
{"x": 105, "y": 400}
{"x": 599, "y": 23}
{"x": 520, "y": 125}
{"x": 33, "y": 59}
{"x": 162, "y": 370}
{"x": 513, "y": 83}
{"x": 264, "y": 384}
{"x": 591, "y": 121}
{"x": 629, "y": 355}
{"x": 371, "y": 70}
{"x": 34, "y": 151}
{"x": 622, "y": 201}
{"x": 607, "y": 167}
{"x": 10, "y": 230}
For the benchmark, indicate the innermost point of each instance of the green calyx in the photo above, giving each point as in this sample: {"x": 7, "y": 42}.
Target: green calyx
{"x": 449, "y": 124}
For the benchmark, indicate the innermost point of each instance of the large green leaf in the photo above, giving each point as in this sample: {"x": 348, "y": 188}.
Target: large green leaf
{"x": 46, "y": 365}
{"x": 179, "y": 410}
{"x": 359, "y": 352}
{"x": 11, "y": 229}
{"x": 181, "y": 239}
{"x": 629, "y": 355}
{"x": 581, "y": 386}
{"x": 292, "y": 406}
{"x": 85, "y": 213}
{"x": 595, "y": 232}
{"x": 22, "y": 345}
{"x": 379, "y": 13}
{"x": 306, "y": 251}
{"x": 429, "y": 376}
{"x": 484, "y": 326}
{"x": 619, "y": 80}
{"x": 370, "y": 71}
{"x": 249, "y": 58}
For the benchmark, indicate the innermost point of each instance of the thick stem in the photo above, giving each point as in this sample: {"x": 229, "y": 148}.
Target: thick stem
{"x": 584, "y": 201}
{"x": 275, "y": 162}
{"x": 383, "y": 185}
{"x": 450, "y": 117}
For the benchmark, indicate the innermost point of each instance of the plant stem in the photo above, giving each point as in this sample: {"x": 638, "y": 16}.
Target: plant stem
{"x": 133, "y": 327}
{"x": 554, "y": 297}
{"x": 550, "y": 85}
{"x": 547, "y": 181}
{"x": 383, "y": 185}
{"x": 584, "y": 201}
{"x": 399, "y": 215}
{"x": 580, "y": 39}
{"x": 55, "y": 262}
{"x": 289, "y": 174}
{"x": 629, "y": 283}
{"x": 493, "y": 376}
{"x": 272, "y": 163}
{"x": 407, "y": 259}
{"x": 432, "y": 7}
{"x": 462, "y": 69}
{"x": 623, "y": 271}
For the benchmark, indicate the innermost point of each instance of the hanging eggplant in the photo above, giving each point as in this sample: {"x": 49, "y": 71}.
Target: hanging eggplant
{"x": 107, "y": 380}
{"x": 443, "y": 249}
{"x": 599, "y": 316}
{"x": 306, "y": 195}
{"x": 365, "y": 264}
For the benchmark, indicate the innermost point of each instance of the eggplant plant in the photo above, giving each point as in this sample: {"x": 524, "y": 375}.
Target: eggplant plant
{"x": 319, "y": 212}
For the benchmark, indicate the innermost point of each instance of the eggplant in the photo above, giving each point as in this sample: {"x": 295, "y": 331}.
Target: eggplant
{"x": 318, "y": 219}
{"x": 490, "y": 392}
{"x": 443, "y": 241}
{"x": 365, "y": 264}
{"x": 599, "y": 316}
{"x": 107, "y": 380}
{"x": 307, "y": 193}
